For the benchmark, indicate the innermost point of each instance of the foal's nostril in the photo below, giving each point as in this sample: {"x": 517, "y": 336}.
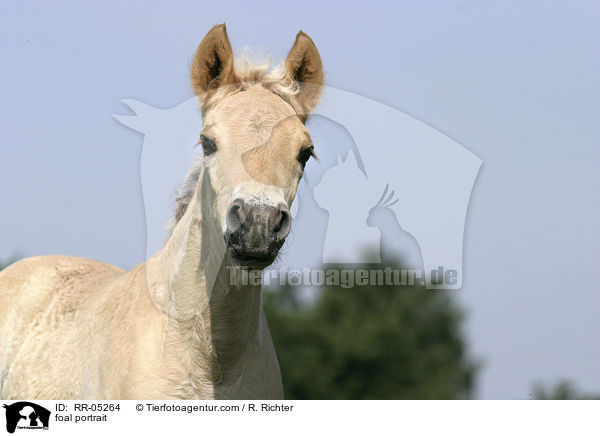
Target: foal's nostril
{"x": 256, "y": 226}
{"x": 236, "y": 215}
{"x": 280, "y": 221}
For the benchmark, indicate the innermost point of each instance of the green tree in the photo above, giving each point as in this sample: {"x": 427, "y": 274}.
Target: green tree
{"x": 4, "y": 264}
{"x": 562, "y": 390}
{"x": 370, "y": 342}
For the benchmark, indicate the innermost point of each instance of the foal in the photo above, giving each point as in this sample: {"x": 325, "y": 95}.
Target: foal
{"x": 176, "y": 326}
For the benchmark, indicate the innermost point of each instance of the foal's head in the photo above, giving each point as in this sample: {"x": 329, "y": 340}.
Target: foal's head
{"x": 254, "y": 141}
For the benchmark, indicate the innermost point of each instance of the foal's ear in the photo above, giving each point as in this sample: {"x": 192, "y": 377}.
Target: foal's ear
{"x": 303, "y": 64}
{"x": 213, "y": 62}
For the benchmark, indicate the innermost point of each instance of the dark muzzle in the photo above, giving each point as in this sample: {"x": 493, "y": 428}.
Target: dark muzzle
{"x": 256, "y": 232}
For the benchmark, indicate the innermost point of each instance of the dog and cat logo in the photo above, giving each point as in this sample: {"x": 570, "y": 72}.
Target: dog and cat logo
{"x": 26, "y": 415}
{"x": 365, "y": 148}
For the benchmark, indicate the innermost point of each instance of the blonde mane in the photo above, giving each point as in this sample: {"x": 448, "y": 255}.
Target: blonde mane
{"x": 256, "y": 72}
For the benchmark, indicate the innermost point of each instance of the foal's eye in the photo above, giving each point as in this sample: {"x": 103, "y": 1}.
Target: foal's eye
{"x": 305, "y": 154}
{"x": 208, "y": 145}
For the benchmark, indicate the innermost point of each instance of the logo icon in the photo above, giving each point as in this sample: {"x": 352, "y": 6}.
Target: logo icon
{"x": 26, "y": 415}
{"x": 384, "y": 180}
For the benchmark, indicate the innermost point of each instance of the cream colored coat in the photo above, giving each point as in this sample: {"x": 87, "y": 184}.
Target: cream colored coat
{"x": 175, "y": 326}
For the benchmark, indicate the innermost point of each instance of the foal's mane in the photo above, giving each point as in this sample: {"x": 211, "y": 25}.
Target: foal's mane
{"x": 253, "y": 72}
{"x": 248, "y": 73}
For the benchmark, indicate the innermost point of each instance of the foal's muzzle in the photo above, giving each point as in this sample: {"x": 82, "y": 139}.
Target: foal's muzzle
{"x": 256, "y": 232}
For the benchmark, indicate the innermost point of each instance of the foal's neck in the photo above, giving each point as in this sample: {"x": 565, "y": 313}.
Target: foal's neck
{"x": 214, "y": 317}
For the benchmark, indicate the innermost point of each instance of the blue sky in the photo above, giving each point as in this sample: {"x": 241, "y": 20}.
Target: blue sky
{"x": 517, "y": 84}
